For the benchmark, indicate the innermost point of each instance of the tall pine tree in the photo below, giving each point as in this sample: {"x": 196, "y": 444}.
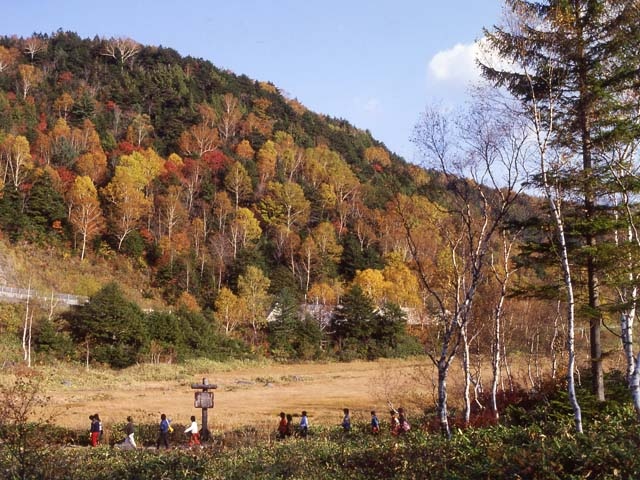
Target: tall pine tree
{"x": 580, "y": 57}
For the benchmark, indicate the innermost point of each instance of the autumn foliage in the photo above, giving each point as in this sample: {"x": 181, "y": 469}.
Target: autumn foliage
{"x": 222, "y": 191}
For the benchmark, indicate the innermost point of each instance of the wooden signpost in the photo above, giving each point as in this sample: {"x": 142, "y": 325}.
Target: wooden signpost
{"x": 204, "y": 400}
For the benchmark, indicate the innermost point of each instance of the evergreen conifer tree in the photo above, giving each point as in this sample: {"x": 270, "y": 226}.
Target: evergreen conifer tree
{"x": 579, "y": 57}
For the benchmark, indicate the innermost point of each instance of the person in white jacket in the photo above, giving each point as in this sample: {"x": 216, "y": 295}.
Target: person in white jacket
{"x": 303, "y": 428}
{"x": 129, "y": 431}
{"x": 193, "y": 429}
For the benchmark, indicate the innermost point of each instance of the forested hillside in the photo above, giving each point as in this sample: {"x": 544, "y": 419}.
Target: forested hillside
{"x": 220, "y": 191}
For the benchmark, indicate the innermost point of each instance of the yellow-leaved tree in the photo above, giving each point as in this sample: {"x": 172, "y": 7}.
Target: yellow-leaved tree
{"x": 377, "y": 156}
{"x": 230, "y": 310}
{"x": 8, "y": 57}
{"x": 402, "y": 286}
{"x": 94, "y": 165}
{"x": 125, "y": 192}
{"x": 85, "y": 213}
{"x": 238, "y": 182}
{"x": 285, "y": 204}
{"x": 244, "y": 150}
{"x": 15, "y": 159}
{"x": 290, "y": 156}
{"x": 373, "y": 284}
{"x": 253, "y": 288}
{"x": 244, "y": 230}
{"x": 266, "y": 159}
{"x": 30, "y": 76}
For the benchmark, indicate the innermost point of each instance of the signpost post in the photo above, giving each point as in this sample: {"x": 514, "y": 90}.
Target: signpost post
{"x": 204, "y": 400}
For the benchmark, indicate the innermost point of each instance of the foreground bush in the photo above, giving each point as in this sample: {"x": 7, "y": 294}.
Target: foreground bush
{"x": 607, "y": 450}
{"x": 537, "y": 441}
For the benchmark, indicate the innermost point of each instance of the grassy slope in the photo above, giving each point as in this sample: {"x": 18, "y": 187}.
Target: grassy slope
{"x": 47, "y": 269}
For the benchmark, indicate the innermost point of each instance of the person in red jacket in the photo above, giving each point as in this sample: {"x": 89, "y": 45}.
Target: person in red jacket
{"x": 94, "y": 430}
{"x": 282, "y": 427}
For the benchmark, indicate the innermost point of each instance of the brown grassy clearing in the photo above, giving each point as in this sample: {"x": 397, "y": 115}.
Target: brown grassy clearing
{"x": 253, "y": 393}
{"x": 248, "y": 394}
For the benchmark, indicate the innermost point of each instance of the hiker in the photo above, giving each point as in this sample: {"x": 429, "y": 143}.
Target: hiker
{"x": 97, "y": 418}
{"x": 282, "y": 427}
{"x": 402, "y": 420}
{"x": 395, "y": 423}
{"x": 129, "y": 430}
{"x": 163, "y": 434}
{"x": 194, "y": 439}
{"x": 375, "y": 423}
{"x": 346, "y": 421}
{"x": 94, "y": 431}
{"x": 289, "y": 425}
{"x": 303, "y": 428}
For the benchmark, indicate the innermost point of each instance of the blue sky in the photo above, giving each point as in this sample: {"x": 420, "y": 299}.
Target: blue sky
{"x": 376, "y": 63}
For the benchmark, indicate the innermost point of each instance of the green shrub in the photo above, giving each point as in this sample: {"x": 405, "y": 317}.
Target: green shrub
{"x": 51, "y": 341}
{"x": 606, "y": 451}
{"x": 112, "y": 325}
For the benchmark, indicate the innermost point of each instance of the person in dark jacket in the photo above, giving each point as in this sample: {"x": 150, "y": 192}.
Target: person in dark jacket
{"x": 163, "y": 434}
{"x": 289, "y": 425}
{"x": 375, "y": 423}
{"x": 346, "y": 421}
{"x": 94, "y": 430}
{"x": 97, "y": 419}
{"x": 129, "y": 431}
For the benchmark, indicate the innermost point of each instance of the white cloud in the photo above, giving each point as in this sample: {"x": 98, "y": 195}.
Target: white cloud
{"x": 457, "y": 68}
{"x": 369, "y": 105}
{"x": 456, "y": 65}
{"x": 372, "y": 105}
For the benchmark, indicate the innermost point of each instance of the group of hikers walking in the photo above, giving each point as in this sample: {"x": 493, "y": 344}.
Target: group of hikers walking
{"x": 286, "y": 427}
{"x": 129, "y": 442}
{"x": 398, "y": 424}
{"x": 166, "y": 429}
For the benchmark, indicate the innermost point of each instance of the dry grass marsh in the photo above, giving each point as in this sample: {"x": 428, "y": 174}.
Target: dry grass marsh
{"x": 247, "y": 393}
{"x": 250, "y": 393}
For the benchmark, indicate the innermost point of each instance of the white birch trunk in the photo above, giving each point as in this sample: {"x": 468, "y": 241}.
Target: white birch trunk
{"x": 466, "y": 374}
{"x": 552, "y": 345}
{"x": 626, "y": 330}
{"x": 26, "y": 333}
{"x": 634, "y": 386}
{"x": 495, "y": 359}
{"x": 29, "y": 340}
{"x": 543, "y": 129}
{"x": 568, "y": 282}
{"x": 443, "y": 414}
